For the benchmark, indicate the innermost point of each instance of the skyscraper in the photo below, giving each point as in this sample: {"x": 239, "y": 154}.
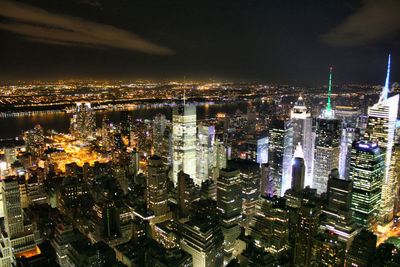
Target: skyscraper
{"x": 350, "y": 117}
{"x": 327, "y": 250}
{"x": 126, "y": 123}
{"x": 83, "y": 123}
{"x": 205, "y": 152}
{"x": 361, "y": 252}
{"x": 157, "y": 196}
{"x": 184, "y": 142}
{"x": 34, "y": 140}
{"x": 339, "y": 219}
{"x": 308, "y": 220}
{"x": 366, "y": 174}
{"x": 327, "y": 144}
{"x": 280, "y": 154}
{"x": 20, "y": 235}
{"x": 229, "y": 205}
{"x": 201, "y": 237}
{"x": 327, "y": 147}
{"x": 380, "y": 129}
{"x": 302, "y": 134}
{"x": 220, "y": 157}
{"x": 250, "y": 177}
{"x": 158, "y": 133}
{"x": 270, "y": 225}
{"x": 186, "y": 189}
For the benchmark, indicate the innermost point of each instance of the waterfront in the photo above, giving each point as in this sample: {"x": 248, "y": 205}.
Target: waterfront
{"x": 59, "y": 121}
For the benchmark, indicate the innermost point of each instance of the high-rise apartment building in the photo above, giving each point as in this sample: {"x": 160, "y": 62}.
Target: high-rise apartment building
{"x": 34, "y": 140}
{"x": 83, "y": 122}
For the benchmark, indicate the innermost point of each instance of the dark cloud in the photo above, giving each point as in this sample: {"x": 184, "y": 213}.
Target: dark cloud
{"x": 375, "y": 20}
{"x": 40, "y": 25}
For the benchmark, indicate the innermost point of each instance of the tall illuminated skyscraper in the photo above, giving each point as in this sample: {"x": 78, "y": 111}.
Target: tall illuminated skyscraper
{"x": 380, "y": 129}
{"x": 350, "y": 117}
{"x": 275, "y": 157}
{"x": 20, "y": 235}
{"x": 250, "y": 175}
{"x": 34, "y": 140}
{"x": 280, "y": 155}
{"x": 220, "y": 157}
{"x": 184, "y": 142}
{"x": 308, "y": 219}
{"x": 157, "y": 195}
{"x": 338, "y": 215}
{"x": 366, "y": 174}
{"x": 327, "y": 147}
{"x": 158, "y": 133}
{"x": 201, "y": 237}
{"x": 83, "y": 123}
{"x": 229, "y": 205}
{"x": 302, "y": 134}
{"x": 327, "y": 144}
{"x": 205, "y": 152}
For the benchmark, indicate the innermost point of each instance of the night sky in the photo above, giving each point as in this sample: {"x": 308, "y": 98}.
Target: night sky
{"x": 285, "y": 41}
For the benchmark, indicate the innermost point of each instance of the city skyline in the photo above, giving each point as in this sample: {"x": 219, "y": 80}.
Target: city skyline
{"x": 237, "y": 149}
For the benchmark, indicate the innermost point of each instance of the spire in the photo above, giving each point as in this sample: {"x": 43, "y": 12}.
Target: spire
{"x": 328, "y": 112}
{"x": 328, "y": 106}
{"x": 385, "y": 89}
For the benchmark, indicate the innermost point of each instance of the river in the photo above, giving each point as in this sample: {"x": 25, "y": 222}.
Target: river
{"x": 14, "y": 126}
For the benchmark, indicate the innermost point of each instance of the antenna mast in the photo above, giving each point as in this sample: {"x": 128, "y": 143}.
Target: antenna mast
{"x": 328, "y": 106}
{"x": 385, "y": 90}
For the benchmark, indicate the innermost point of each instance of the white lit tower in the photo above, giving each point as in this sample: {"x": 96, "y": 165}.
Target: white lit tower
{"x": 205, "y": 152}
{"x": 327, "y": 145}
{"x": 302, "y": 134}
{"x": 380, "y": 129}
{"x": 184, "y": 142}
